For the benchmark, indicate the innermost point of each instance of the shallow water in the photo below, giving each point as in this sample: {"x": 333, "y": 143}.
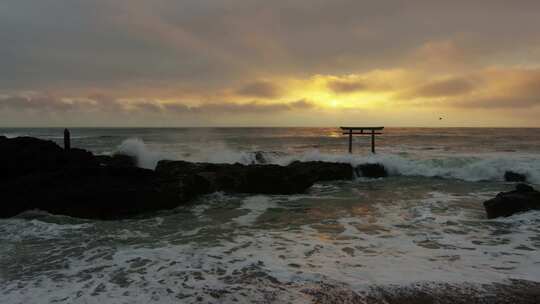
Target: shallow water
{"x": 407, "y": 229}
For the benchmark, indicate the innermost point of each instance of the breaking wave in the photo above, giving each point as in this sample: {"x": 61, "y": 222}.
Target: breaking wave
{"x": 478, "y": 167}
{"x": 136, "y": 147}
{"x": 485, "y": 167}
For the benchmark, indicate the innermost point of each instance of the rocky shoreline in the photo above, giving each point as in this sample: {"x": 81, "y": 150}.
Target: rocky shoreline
{"x": 39, "y": 174}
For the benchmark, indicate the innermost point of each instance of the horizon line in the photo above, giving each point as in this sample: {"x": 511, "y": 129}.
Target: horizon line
{"x": 268, "y": 127}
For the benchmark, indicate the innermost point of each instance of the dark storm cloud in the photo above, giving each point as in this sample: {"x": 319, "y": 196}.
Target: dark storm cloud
{"x": 61, "y": 43}
{"x": 25, "y": 103}
{"x": 109, "y": 105}
{"x": 260, "y": 89}
{"x": 106, "y": 62}
{"x": 52, "y": 104}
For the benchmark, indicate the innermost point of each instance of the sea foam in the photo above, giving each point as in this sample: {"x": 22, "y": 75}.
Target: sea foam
{"x": 411, "y": 241}
{"x": 484, "y": 167}
{"x": 136, "y": 147}
{"x": 468, "y": 167}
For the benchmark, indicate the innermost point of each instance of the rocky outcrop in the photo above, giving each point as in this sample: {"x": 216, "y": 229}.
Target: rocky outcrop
{"x": 21, "y": 156}
{"x": 511, "y": 176}
{"x": 523, "y": 198}
{"x": 117, "y": 160}
{"x": 319, "y": 171}
{"x": 267, "y": 179}
{"x": 92, "y": 192}
{"x": 38, "y": 174}
{"x": 371, "y": 170}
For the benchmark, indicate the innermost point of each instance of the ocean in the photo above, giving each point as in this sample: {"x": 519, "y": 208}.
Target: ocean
{"x": 422, "y": 226}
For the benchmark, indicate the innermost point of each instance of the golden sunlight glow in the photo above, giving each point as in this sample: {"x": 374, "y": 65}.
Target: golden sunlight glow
{"x": 318, "y": 90}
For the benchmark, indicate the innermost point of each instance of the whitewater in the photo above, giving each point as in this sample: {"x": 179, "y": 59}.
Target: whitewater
{"x": 421, "y": 227}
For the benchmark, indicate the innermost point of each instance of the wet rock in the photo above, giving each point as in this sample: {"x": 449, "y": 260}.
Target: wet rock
{"x": 524, "y": 188}
{"x": 524, "y": 198}
{"x": 97, "y": 193}
{"x": 79, "y": 158}
{"x": 371, "y": 170}
{"x": 318, "y": 171}
{"x": 117, "y": 160}
{"x": 259, "y": 157}
{"x": 271, "y": 179}
{"x": 511, "y": 176}
{"x": 267, "y": 179}
{"x": 207, "y": 178}
{"x": 39, "y": 174}
{"x": 21, "y": 156}
{"x": 264, "y": 157}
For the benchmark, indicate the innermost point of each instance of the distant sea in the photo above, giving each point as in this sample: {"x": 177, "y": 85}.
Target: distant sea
{"x": 425, "y": 223}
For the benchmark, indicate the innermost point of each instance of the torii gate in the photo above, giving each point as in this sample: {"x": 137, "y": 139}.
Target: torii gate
{"x": 354, "y": 131}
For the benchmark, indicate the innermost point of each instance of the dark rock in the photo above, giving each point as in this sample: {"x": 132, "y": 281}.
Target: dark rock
{"x": 38, "y": 174}
{"x": 524, "y": 198}
{"x": 259, "y": 157}
{"x": 117, "y": 160}
{"x": 207, "y": 178}
{"x": 272, "y": 179}
{"x": 23, "y": 155}
{"x": 79, "y": 158}
{"x": 269, "y": 179}
{"x": 317, "y": 171}
{"x": 524, "y": 188}
{"x": 371, "y": 170}
{"x": 97, "y": 193}
{"x": 27, "y": 155}
{"x": 511, "y": 176}
{"x": 264, "y": 157}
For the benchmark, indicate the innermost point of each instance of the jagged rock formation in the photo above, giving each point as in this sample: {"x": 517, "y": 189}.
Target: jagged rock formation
{"x": 38, "y": 174}
{"x": 524, "y": 198}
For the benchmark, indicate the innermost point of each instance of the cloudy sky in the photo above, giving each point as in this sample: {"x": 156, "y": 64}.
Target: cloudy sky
{"x": 269, "y": 63}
